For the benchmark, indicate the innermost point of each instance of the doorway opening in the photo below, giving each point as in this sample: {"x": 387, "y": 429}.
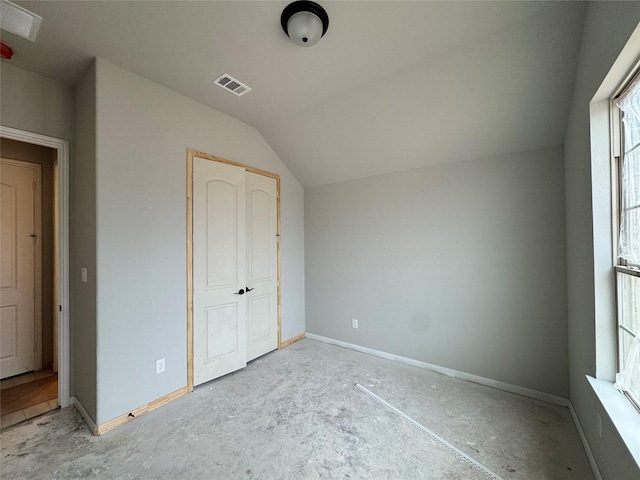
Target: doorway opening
{"x": 42, "y": 382}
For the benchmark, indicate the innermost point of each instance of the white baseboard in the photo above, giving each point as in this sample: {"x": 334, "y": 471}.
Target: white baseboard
{"x": 585, "y": 444}
{"x": 83, "y": 411}
{"x": 507, "y": 387}
{"x": 527, "y": 392}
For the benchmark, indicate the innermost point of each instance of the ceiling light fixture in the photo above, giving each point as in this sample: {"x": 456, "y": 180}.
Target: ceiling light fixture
{"x": 19, "y": 21}
{"x": 304, "y": 22}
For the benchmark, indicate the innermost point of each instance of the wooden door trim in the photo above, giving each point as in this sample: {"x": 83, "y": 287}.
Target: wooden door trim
{"x": 191, "y": 153}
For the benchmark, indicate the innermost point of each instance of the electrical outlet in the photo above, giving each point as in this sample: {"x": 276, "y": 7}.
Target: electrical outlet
{"x": 84, "y": 275}
{"x": 599, "y": 424}
{"x": 354, "y": 323}
{"x": 160, "y": 366}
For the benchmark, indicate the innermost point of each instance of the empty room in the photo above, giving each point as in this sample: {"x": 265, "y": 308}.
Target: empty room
{"x": 333, "y": 239}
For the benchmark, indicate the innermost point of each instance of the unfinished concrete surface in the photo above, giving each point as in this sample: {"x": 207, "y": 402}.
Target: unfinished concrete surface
{"x": 296, "y": 414}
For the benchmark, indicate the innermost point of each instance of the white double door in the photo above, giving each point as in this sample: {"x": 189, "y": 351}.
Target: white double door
{"x": 235, "y": 268}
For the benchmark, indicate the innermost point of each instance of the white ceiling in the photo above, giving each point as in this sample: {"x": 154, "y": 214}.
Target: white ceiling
{"x": 392, "y": 85}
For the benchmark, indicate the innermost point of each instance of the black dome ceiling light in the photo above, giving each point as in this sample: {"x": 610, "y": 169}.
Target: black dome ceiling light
{"x": 304, "y": 22}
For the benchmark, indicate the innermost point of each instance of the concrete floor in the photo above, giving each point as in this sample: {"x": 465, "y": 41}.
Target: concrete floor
{"x": 296, "y": 414}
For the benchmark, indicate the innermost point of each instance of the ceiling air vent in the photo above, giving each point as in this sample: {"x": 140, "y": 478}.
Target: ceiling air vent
{"x": 19, "y": 21}
{"x": 234, "y": 86}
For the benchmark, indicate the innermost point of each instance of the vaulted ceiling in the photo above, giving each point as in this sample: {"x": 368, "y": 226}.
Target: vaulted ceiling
{"x": 392, "y": 86}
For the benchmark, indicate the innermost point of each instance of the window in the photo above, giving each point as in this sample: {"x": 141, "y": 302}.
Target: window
{"x": 627, "y": 269}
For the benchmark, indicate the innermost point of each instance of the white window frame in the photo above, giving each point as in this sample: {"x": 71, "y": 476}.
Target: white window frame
{"x": 622, "y": 270}
{"x": 609, "y": 401}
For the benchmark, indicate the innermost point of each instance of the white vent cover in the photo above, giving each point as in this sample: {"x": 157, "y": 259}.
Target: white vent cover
{"x": 19, "y": 21}
{"x": 234, "y": 86}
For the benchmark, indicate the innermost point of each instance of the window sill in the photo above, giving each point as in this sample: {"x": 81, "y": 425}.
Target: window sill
{"x": 622, "y": 413}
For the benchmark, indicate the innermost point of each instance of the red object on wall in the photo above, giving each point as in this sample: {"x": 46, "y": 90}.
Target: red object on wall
{"x": 6, "y": 51}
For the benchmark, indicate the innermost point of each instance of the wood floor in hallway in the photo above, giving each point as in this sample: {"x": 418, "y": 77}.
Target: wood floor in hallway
{"x": 27, "y": 396}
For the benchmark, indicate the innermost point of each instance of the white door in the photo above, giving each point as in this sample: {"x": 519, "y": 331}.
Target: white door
{"x": 262, "y": 265}
{"x": 219, "y": 276}
{"x": 18, "y": 184}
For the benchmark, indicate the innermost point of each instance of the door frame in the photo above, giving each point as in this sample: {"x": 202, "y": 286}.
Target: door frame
{"x": 62, "y": 149}
{"x": 191, "y": 153}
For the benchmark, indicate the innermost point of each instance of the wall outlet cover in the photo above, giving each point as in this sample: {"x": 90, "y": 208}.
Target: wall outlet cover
{"x": 160, "y": 366}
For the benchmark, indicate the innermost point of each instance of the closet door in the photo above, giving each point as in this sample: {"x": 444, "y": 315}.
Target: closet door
{"x": 219, "y": 274}
{"x": 262, "y": 265}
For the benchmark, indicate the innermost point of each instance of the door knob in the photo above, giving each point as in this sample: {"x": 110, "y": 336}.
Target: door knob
{"x": 249, "y": 289}
{"x": 239, "y": 292}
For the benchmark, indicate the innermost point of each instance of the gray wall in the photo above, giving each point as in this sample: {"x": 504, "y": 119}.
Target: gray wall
{"x": 83, "y": 234}
{"x": 46, "y": 158}
{"x": 459, "y": 265}
{"x": 143, "y": 131}
{"x": 36, "y": 104}
{"x": 608, "y": 26}
{"x": 134, "y": 183}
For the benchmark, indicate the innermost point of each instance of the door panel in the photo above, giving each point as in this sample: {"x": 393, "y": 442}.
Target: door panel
{"x": 222, "y": 325}
{"x": 260, "y": 240}
{"x": 219, "y": 271}
{"x": 9, "y": 329}
{"x": 259, "y": 318}
{"x": 8, "y": 199}
{"x": 262, "y": 265}
{"x": 221, "y": 234}
{"x": 18, "y": 183}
